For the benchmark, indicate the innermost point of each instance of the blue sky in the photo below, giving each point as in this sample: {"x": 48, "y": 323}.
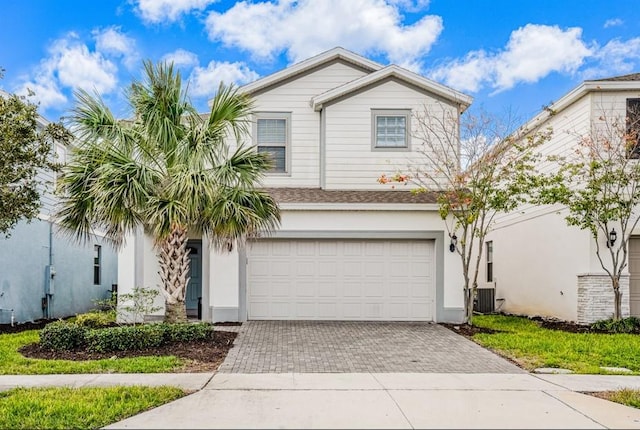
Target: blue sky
{"x": 510, "y": 55}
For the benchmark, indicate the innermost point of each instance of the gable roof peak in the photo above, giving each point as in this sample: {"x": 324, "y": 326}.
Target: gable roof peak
{"x": 337, "y": 53}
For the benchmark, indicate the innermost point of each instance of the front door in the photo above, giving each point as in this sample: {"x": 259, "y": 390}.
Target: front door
{"x": 194, "y": 287}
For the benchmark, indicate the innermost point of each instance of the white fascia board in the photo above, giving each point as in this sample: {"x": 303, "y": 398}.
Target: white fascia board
{"x": 576, "y": 94}
{"x": 457, "y": 97}
{"x": 301, "y": 67}
{"x": 358, "y": 207}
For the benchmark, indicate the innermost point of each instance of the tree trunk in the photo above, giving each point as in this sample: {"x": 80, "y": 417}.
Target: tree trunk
{"x": 617, "y": 296}
{"x": 175, "y": 312}
{"x": 173, "y": 257}
{"x": 469, "y": 294}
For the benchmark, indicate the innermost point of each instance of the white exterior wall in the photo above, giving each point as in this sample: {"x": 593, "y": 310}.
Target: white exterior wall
{"x": 535, "y": 263}
{"x": 294, "y": 97}
{"x": 530, "y": 278}
{"x": 351, "y": 163}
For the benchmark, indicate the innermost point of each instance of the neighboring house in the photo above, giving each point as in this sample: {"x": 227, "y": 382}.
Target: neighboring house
{"x": 347, "y": 249}
{"x": 537, "y": 264}
{"x": 43, "y": 274}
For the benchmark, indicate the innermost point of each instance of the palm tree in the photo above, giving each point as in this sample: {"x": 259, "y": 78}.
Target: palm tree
{"x": 169, "y": 171}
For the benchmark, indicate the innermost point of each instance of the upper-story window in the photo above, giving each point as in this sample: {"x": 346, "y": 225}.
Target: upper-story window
{"x": 633, "y": 127}
{"x": 273, "y": 136}
{"x": 390, "y": 129}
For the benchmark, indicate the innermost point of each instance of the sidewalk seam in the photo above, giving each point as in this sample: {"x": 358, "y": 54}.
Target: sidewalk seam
{"x": 393, "y": 400}
{"x": 574, "y": 409}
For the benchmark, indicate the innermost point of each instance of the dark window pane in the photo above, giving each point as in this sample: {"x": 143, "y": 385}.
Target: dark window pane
{"x": 633, "y": 128}
{"x": 278, "y": 157}
{"x": 96, "y": 275}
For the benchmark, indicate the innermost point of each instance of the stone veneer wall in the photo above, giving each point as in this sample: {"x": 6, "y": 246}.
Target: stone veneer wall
{"x": 596, "y": 299}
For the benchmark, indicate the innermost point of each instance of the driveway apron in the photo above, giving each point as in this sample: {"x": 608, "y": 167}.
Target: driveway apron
{"x": 357, "y": 347}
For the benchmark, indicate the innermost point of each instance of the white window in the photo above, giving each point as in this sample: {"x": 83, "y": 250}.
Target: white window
{"x": 390, "y": 129}
{"x": 489, "y": 261}
{"x": 273, "y": 135}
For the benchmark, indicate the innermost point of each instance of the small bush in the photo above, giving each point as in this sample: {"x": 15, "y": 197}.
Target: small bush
{"x": 624, "y": 325}
{"x": 96, "y": 319}
{"x": 63, "y": 336}
{"x": 126, "y": 338}
{"x": 187, "y": 332}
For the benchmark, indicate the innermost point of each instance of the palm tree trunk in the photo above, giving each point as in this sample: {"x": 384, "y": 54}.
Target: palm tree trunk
{"x": 173, "y": 257}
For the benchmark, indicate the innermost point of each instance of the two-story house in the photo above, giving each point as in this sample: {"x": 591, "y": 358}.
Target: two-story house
{"x": 347, "y": 248}
{"x": 43, "y": 273}
{"x": 539, "y": 265}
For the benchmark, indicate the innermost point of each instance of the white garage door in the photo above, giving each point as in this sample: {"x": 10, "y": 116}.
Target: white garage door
{"x": 341, "y": 280}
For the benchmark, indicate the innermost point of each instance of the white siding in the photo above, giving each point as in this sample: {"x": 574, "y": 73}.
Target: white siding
{"x": 537, "y": 257}
{"x": 294, "y": 96}
{"x": 351, "y": 163}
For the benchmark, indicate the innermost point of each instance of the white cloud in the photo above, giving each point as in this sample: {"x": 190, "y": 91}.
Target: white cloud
{"x": 70, "y": 64}
{"x": 613, "y": 22}
{"x": 204, "y": 81}
{"x": 616, "y": 57}
{"x": 181, "y": 57}
{"x": 532, "y": 52}
{"x": 307, "y": 27}
{"x": 112, "y": 41}
{"x": 156, "y": 11}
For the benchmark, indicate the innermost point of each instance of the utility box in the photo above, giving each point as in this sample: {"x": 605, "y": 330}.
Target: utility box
{"x": 485, "y": 302}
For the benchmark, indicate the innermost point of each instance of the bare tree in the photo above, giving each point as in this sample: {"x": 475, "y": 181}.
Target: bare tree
{"x": 472, "y": 161}
{"x": 599, "y": 184}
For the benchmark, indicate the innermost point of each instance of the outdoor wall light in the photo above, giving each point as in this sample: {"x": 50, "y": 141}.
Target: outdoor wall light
{"x": 612, "y": 238}
{"x": 454, "y": 242}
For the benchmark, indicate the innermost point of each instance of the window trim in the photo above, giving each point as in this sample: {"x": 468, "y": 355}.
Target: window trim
{"x": 375, "y": 113}
{"x": 287, "y": 146}
{"x": 489, "y": 250}
{"x": 97, "y": 255}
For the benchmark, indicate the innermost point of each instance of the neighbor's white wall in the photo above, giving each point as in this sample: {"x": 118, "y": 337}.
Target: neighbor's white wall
{"x": 351, "y": 163}
{"x": 294, "y": 96}
{"x": 535, "y": 264}
{"x": 127, "y": 266}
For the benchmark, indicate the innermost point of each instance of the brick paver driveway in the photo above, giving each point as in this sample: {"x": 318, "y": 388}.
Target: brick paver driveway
{"x": 344, "y": 347}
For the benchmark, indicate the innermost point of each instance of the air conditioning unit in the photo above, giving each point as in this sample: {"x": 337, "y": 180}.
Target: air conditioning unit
{"x": 485, "y": 302}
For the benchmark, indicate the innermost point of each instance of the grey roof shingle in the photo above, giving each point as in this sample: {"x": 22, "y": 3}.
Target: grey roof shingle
{"x": 629, "y": 77}
{"x": 317, "y": 195}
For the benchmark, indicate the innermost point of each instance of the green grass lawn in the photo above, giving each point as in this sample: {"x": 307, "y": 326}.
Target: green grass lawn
{"x": 14, "y": 363}
{"x": 625, "y": 396}
{"x": 531, "y": 346}
{"x": 78, "y": 408}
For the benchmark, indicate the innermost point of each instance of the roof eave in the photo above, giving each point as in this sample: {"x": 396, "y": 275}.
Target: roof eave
{"x": 463, "y": 100}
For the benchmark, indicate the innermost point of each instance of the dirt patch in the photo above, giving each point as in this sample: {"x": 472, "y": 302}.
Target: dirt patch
{"x": 568, "y": 326}
{"x": 467, "y": 330}
{"x": 200, "y": 356}
{"x": 30, "y": 325}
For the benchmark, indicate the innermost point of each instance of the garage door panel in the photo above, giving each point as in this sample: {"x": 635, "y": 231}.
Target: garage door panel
{"x": 326, "y": 289}
{"x": 341, "y": 279}
{"x": 352, "y": 289}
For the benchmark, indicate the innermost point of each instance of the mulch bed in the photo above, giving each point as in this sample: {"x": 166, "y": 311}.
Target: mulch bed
{"x": 199, "y": 356}
{"x": 467, "y": 330}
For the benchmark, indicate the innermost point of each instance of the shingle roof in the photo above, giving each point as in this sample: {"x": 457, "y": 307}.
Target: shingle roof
{"x": 317, "y": 195}
{"x": 629, "y": 77}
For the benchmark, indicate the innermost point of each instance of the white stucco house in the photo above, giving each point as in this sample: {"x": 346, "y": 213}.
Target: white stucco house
{"x": 537, "y": 264}
{"x": 347, "y": 248}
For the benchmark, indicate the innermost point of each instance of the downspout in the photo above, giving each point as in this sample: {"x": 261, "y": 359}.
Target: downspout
{"x": 47, "y": 307}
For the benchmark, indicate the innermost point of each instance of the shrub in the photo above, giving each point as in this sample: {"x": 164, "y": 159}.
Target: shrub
{"x": 63, "y": 336}
{"x": 624, "y": 325}
{"x": 96, "y": 319}
{"x": 135, "y": 306}
{"x": 125, "y": 338}
{"x": 187, "y": 332}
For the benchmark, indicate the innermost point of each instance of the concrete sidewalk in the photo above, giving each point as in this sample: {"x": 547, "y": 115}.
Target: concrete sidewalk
{"x": 368, "y": 400}
{"x": 393, "y": 400}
